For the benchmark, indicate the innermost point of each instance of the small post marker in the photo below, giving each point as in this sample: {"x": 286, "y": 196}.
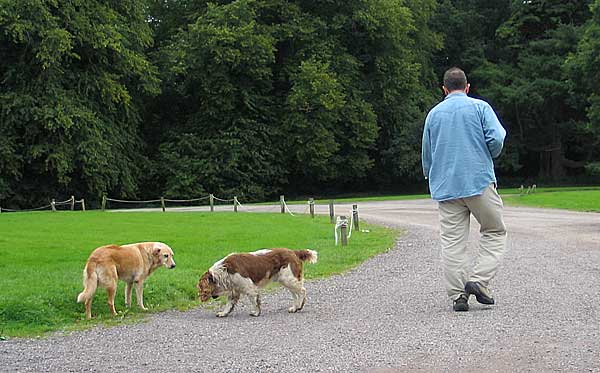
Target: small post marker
{"x": 355, "y": 217}
{"x": 72, "y": 203}
{"x": 311, "y": 205}
{"x": 83, "y": 204}
{"x": 235, "y": 203}
{"x": 331, "y": 212}
{"x": 53, "y": 205}
{"x": 282, "y": 203}
{"x": 344, "y": 230}
{"x": 162, "y": 203}
{"x": 212, "y": 202}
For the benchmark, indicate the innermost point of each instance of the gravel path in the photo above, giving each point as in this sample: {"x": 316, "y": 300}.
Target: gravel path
{"x": 389, "y": 314}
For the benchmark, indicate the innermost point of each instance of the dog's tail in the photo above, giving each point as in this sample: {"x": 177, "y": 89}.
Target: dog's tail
{"x": 307, "y": 255}
{"x": 90, "y": 283}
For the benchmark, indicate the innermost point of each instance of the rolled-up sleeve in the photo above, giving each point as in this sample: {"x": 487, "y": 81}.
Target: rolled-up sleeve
{"x": 493, "y": 131}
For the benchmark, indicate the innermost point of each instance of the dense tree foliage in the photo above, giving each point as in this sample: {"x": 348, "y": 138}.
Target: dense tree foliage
{"x": 529, "y": 84}
{"x": 469, "y": 29}
{"x": 293, "y": 96}
{"x": 584, "y": 74}
{"x": 73, "y": 77}
{"x": 140, "y": 98}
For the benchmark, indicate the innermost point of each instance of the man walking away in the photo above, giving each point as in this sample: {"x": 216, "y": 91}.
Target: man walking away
{"x": 461, "y": 137}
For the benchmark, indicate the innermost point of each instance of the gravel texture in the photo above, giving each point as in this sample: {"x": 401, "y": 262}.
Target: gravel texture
{"x": 389, "y": 314}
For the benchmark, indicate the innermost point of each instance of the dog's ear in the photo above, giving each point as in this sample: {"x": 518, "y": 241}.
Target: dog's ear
{"x": 208, "y": 277}
{"x": 156, "y": 251}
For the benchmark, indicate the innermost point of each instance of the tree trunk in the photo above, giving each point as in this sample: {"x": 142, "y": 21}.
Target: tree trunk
{"x": 551, "y": 163}
{"x": 556, "y": 163}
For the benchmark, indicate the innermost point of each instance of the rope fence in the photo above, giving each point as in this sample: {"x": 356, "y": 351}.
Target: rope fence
{"x": 71, "y": 202}
{"x": 343, "y": 226}
{"x": 162, "y": 202}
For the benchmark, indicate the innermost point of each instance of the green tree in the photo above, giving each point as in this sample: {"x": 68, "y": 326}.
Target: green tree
{"x": 265, "y": 95}
{"x": 469, "y": 32}
{"x": 469, "y": 35}
{"x": 219, "y": 71}
{"x": 401, "y": 82}
{"x": 528, "y": 83}
{"x": 584, "y": 72}
{"x": 73, "y": 76}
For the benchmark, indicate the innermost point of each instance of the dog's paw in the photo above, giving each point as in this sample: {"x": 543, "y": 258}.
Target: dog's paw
{"x": 292, "y": 310}
{"x": 144, "y": 308}
{"x": 222, "y": 314}
{"x": 255, "y": 313}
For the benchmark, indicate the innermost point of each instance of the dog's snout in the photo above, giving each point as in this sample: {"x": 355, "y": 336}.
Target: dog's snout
{"x": 172, "y": 266}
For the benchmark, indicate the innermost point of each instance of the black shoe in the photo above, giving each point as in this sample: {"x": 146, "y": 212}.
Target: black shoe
{"x": 481, "y": 292}
{"x": 461, "y": 304}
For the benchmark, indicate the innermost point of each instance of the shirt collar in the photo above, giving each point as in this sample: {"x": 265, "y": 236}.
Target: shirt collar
{"x": 455, "y": 94}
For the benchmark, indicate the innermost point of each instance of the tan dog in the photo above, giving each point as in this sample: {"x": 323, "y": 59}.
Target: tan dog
{"x": 131, "y": 263}
{"x": 245, "y": 274}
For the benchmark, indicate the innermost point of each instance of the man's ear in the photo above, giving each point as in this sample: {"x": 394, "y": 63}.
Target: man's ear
{"x": 446, "y": 91}
{"x": 467, "y": 89}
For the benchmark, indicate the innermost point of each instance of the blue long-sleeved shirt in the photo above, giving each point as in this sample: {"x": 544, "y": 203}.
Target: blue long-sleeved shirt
{"x": 460, "y": 138}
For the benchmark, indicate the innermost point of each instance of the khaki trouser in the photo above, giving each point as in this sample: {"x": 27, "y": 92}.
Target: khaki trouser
{"x": 454, "y": 229}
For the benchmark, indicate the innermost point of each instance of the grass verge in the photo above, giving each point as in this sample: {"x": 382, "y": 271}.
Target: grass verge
{"x": 502, "y": 191}
{"x": 578, "y": 200}
{"x": 585, "y": 198}
{"x": 43, "y": 255}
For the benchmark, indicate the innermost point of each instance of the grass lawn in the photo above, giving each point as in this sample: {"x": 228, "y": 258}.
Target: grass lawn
{"x": 573, "y": 198}
{"x": 43, "y": 255}
{"x": 504, "y": 191}
{"x": 579, "y": 200}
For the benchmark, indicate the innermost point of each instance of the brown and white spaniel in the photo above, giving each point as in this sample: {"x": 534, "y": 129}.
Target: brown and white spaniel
{"x": 245, "y": 274}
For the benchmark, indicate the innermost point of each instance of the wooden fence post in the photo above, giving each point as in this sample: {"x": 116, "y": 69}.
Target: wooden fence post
{"x": 72, "y": 203}
{"x": 162, "y": 203}
{"x": 311, "y": 205}
{"x": 344, "y": 230}
{"x": 282, "y": 203}
{"x": 53, "y": 205}
{"x": 355, "y": 216}
{"x": 83, "y": 204}
{"x": 235, "y": 203}
{"x": 331, "y": 212}
{"x": 103, "y": 201}
{"x": 212, "y": 202}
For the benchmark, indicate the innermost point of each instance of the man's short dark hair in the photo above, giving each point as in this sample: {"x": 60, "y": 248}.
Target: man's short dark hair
{"x": 455, "y": 79}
